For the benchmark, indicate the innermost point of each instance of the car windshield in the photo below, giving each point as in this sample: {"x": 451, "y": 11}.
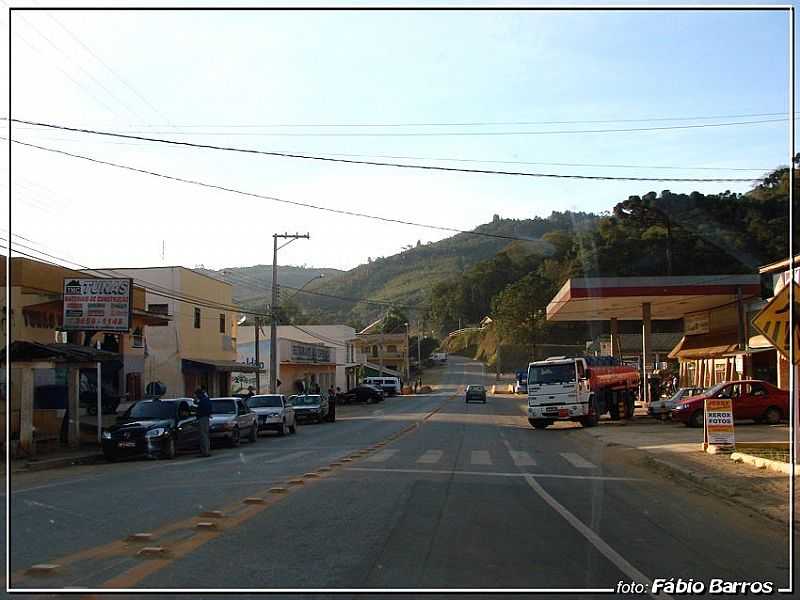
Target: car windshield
{"x": 475, "y": 388}
{"x": 544, "y": 374}
{"x": 152, "y": 409}
{"x": 305, "y": 400}
{"x": 223, "y": 407}
{"x": 264, "y": 402}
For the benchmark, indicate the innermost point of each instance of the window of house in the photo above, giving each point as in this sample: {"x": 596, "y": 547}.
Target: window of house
{"x": 222, "y": 322}
{"x": 374, "y": 351}
{"x": 161, "y": 309}
{"x": 137, "y": 339}
{"x": 197, "y": 318}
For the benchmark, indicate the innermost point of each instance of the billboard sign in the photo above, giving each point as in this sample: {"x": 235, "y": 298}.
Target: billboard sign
{"x": 97, "y": 304}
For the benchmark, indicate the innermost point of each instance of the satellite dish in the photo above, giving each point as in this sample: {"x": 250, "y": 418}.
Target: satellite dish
{"x": 242, "y": 320}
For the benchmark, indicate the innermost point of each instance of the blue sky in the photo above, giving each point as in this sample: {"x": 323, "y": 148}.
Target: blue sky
{"x": 190, "y": 75}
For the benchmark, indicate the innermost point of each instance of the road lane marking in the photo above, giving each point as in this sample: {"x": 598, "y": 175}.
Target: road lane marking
{"x": 522, "y": 458}
{"x": 449, "y": 472}
{"x": 577, "y": 461}
{"x": 286, "y": 457}
{"x": 430, "y": 457}
{"x": 594, "y": 539}
{"x": 382, "y": 456}
{"x": 481, "y": 457}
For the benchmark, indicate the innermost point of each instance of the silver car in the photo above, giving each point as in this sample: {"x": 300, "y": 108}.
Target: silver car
{"x": 310, "y": 407}
{"x": 663, "y": 408}
{"x": 274, "y": 412}
{"x": 231, "y": 420}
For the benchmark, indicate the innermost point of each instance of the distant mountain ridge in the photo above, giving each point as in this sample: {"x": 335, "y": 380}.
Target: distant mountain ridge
{"x": 404, "y": 279}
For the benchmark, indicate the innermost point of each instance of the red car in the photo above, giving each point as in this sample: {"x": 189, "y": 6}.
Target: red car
{"x": 752, "y": 399}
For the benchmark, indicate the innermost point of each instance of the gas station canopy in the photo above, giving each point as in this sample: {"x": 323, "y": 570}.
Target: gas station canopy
{"x": 604, "y": 298}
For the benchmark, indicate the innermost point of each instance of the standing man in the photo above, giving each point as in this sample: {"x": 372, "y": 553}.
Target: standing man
{"x": 203, "y": 418}
{"x": 331, "y": 404}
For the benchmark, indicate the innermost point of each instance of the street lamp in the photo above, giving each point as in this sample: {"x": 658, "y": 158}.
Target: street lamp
{"x": 302, "y": 287}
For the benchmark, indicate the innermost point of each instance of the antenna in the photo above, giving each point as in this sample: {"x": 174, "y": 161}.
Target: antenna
{"x": 163, "y": 251}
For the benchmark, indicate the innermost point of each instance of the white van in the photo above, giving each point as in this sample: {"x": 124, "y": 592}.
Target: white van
{"x": 390, "y": 385}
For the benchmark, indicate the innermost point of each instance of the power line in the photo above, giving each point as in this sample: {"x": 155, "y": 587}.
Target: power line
{"x": 484, "y": 123}
{"x": 374, "y": 163}
{"x": 453, "y": 159}
{"x": 473, "y": 133}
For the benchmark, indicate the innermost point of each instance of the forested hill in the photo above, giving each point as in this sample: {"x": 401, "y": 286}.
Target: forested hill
{"x": 408, "y": 278}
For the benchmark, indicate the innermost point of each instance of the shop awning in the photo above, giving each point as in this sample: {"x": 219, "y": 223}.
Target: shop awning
{"x": 22, "y": 351}
{"x": 225, "y": 366}
{"x": 707, "y": 345}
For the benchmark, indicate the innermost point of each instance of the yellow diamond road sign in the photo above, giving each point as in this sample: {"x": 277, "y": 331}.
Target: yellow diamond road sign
{"x": 773, "y": 322}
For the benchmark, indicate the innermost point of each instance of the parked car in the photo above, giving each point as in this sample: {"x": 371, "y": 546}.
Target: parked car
{"x": 231, "y": 419}
{"x": 154, "y": 428}
{"x": 475, "y": 393}
{"x": 663, "y": 408}
{"x": 310, "y": 407}
{"x": 274, "y": 413}
{"x": 390, "y": 385}
{"x": 751, "y": 399}
{"x": 363, "y": 393}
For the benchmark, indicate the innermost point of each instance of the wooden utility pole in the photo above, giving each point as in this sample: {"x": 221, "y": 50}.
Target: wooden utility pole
{"x": 258, "y": 373}
{"x": 273, "y": 330}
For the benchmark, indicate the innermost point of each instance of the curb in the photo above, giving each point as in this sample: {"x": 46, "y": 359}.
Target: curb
{"x": 57, "y": 463}
{"x": 757, "y": 461}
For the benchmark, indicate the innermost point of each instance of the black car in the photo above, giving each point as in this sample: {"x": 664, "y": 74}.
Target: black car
{"x": 153, "y": 428}
{"x": 363, "y": 393}
{"x": 475, "y": 393}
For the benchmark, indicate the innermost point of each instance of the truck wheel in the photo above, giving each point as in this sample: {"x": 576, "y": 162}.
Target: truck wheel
{"x": 538, "y": 423}
{"x": 613, "y": 406}
{"x": 589, "y": 420}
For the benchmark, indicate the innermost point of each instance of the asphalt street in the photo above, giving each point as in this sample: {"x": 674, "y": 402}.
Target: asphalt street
{"x": 422, "y": 492}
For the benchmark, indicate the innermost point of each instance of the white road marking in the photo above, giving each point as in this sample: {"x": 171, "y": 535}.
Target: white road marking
{"x": 430, "y": 457}
{"x": 522, "y": 458}
{"x": 481, "y": 457}
{"x": 491, "y": 473}
{"x": 382, "y": 456}
{"x": 594, "y": 539}
{"x": 576, "y": 460}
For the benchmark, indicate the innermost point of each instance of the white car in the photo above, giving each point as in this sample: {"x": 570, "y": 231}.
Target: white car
{"x": 663, "y": 408}
{"x": 274, "y": 413}
{"x": 390, "y": 385}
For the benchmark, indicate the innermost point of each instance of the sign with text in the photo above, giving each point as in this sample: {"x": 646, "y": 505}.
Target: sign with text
{"x": 98, "y": 304}
{"x": 719, "y": 423}
{"x": 696, "y": 323}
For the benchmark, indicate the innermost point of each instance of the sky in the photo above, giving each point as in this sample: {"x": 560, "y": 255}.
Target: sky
{"x": 250, "y": 79}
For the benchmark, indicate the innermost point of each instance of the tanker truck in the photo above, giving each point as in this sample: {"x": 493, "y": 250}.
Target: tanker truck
{"x": 580, "y": 389}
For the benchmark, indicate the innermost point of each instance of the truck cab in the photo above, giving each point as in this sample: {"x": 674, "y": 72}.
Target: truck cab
{"x": 556, "y": 391}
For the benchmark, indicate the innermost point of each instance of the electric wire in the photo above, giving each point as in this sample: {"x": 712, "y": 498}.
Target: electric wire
{"x": 318, "y": 157}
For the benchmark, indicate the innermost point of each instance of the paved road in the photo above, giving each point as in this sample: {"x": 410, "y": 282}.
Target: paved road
{"x": 447, "y": 495}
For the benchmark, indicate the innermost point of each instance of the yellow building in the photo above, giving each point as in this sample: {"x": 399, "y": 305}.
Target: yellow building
{"x": 51, "y": 367}
{"x": 382, "y": 353}
{"x": 198, "y": 347}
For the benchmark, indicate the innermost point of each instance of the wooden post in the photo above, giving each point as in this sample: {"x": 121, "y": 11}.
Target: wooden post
{"x": 73, "y": 395}
{"x": 25, "y": 379}
{"x": 615, "y": 342}
{"x": 646, "y": 331}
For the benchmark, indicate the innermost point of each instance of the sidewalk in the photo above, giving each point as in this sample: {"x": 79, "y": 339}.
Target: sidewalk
{"x": 63, "y": 457}
{"x": 676, "y": 451}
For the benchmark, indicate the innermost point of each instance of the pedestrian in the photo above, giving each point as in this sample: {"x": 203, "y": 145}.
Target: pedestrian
{"x": 203, "y": 418}
{"x": 251, "y": 391}
{"x": 331, "y": 405}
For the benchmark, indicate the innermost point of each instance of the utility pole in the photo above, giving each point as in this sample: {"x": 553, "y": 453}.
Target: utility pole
{"x": 273, "y": 330}
{"x": 380, "y": 347}
{"x": 419, "y": 348}
{"x": 408, "y": 367}
{"x": 258, "y": 373}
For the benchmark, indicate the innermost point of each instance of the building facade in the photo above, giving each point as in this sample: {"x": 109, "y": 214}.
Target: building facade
{"x": 198, "y": 348}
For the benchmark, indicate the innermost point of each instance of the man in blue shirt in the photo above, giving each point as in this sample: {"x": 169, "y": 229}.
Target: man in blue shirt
{"x": 203, "y": 418}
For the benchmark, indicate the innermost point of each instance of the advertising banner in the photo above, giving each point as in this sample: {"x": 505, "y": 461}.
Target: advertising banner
{"x": 719, "y": 423}
{"x": 97, "y": 304}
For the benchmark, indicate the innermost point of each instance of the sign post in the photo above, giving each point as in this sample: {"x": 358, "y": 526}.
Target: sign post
{"x": 718, "y": 425}
{"x": 99, "y": 404}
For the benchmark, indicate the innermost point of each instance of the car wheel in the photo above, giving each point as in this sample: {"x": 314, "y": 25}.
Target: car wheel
{"x": 109, "y": 457}
{"x": 234, "y": 439}
{"x": 169, "y": 450}
{"x": 696, "y": 420}
{"x": 772, "y": 416}
{"x": 282, "y": 429}
{"x": 253, "y": 434}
